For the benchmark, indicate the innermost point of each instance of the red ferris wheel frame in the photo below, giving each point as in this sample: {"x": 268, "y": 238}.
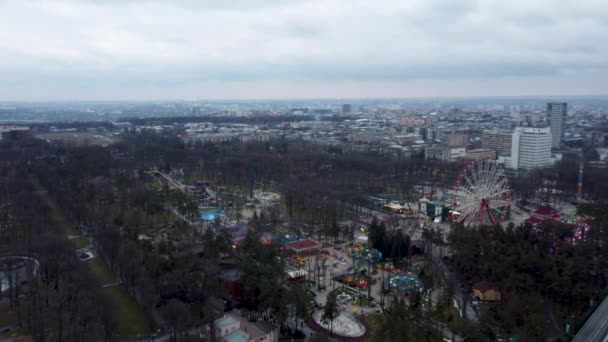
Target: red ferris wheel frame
{"x": 486, "y": 186}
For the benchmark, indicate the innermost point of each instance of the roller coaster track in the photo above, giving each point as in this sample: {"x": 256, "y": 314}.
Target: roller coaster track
{"x": 172, "y": 183}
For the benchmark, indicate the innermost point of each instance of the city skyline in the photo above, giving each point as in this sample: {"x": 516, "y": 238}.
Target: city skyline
{"x": 147, "y": 50}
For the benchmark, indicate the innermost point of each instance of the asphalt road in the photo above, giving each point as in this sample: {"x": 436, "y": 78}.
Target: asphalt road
{"x": 596, "y": 327}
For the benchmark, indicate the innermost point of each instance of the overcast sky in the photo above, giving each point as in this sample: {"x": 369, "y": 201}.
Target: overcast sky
{"x": 211, "y": 49}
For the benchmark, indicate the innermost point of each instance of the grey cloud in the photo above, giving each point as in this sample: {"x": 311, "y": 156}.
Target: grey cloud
{"x": 185, "y": 43}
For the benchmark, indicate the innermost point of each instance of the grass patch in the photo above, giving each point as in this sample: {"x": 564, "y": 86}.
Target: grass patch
{"x": 7, "y": 316}
{"x": 373, "y": 324}
{"x": 101, "y": 270}
{"x": 59, "y": 220}
{"x": 56, "y": 214}
{"x": 18, "y": 334}
{"x": 373, "y": 320}
{"x": 80, "y": 242}
{"x": 131, "y": 318}
{"x": 366, "y": 302}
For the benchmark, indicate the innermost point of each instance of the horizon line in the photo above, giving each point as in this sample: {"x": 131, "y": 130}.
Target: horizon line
{"x": 312, "y": 98}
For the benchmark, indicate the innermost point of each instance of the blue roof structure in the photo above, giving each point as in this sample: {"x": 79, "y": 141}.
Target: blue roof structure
{"x": 212, "y": 215}
{"x": 237, "y": 336}
{"x": 225, "y": 321}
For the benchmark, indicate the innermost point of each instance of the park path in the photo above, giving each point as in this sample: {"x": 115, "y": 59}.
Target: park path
{"x": 132, "y": 320}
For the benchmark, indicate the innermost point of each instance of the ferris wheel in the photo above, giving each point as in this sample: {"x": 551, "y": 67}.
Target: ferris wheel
{"x": 481, "y": 194}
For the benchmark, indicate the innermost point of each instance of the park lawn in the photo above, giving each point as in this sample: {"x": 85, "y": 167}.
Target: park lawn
{"x": 16, "y": 334}
{"x": 56, "y": 215}
{"x": 7, "y": 316}
{"x": 80, "y": 242}
{"x": 132, "y": 320}
{"x": 373, "y": 321}
{"x": 365, "y": 302}
{"x": 59, "y": 219}
{"x": 101, "y": 270}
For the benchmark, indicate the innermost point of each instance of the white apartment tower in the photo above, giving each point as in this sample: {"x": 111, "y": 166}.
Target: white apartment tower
{"x": 556, "y": 114}
{"x": 531, "y": 148}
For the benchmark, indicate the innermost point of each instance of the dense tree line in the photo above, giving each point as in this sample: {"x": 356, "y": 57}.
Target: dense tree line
{"x": 61, "y": 301}
{"x": 259, "y": 119}
{"x": 403, "y": 321}
{"x": 535, "y": 267}
{"x": 104, "y": 190}
{"x": 392, "y": 244}
{"x": 561, "y": 181}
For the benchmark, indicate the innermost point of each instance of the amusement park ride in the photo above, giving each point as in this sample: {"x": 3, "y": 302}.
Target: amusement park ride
{"x": 481, "y": 194}
{"x": 170, "y": 181}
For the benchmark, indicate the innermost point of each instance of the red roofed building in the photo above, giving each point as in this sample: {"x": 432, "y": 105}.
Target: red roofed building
{"x": 307, "y": 246}
{"x": 543, "y": 214}
{"x": 230, "y": 281}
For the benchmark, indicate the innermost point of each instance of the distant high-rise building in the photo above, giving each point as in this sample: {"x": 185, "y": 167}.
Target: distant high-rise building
{"x": 347, "y": 108}
{"x": 458, "y": 139}
{"x": 196, "y": 110}
{"x": 498, "y": 141}
{"x": 411, "y": 121}
{"x": 556, "y": 115}
{"x": 430, "y": 120}
{"x": 12, "y": 133}
{"x": 456, "y": 112}
{"x": 530, "y": 148}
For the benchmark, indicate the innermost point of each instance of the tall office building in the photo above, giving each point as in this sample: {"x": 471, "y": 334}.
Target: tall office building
{"x": 458, "y": 139}
{"x": 556, "y": 115}
{"x": 530, "y": 148}
{"x": 196, "y": 110}
{"x": 347, "y": 108}
{"x": 13, "y": 133}
{"x": 498, "y": 141}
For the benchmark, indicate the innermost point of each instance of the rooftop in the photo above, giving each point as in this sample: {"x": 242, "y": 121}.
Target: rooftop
{"x": 237, "y": 336}
{"x": 484, "y": 286}
{"x": 302, "y": 245}
{"x": 254, "y": 330}
{"x": 231, "y": 275}
{"x": 265, "y": 327}
{"x": 297, "y": 273}
{"x": 225, "y": 322}
{"x": 480, "y": 150}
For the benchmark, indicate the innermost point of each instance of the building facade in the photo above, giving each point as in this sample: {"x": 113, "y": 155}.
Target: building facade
{"x": 196, "y": 110}
{"x": 12, "y": 133}
{"x": 556, "y": 115}
{"x": 347, "y": 108}
{"x": 458, "y": 140}
{"x": 235, "y": 328}
{"x": 497, "y": 141}
{"x": 481, "y": 154}
{"x": 531, "y": 148}
{"x": 443, "y": 152}
{"x": 411, "y": 121}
